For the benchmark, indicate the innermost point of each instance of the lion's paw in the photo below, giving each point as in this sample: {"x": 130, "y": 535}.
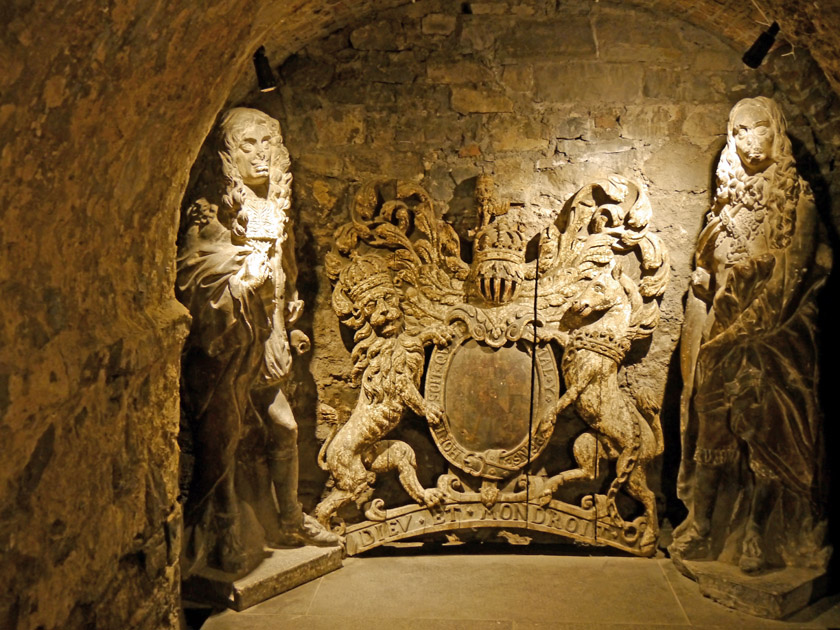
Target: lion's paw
{"x": 432, "y": 497}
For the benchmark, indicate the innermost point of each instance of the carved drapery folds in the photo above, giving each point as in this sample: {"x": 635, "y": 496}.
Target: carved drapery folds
{"x": 494, "y": 385}
{"x": 750, "y": 419}
{"x": 236, "y": 275}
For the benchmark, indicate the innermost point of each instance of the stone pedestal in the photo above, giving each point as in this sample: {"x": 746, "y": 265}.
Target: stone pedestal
{"x": 283, "y": 570}
{"x": 774, "y": 594}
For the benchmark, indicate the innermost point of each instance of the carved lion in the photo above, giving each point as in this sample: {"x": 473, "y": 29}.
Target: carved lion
{"x": 388, "y": 363}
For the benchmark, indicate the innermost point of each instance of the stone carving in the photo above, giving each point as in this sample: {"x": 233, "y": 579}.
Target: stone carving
{"x": 622, "y": 429}
{"x": 493, "y": 390}
{"x": 389, "y": 364}
{"x": 750, "y": 418}
{"x": 236, "y": 274}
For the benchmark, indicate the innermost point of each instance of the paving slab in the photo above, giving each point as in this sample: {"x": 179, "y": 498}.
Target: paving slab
{"x": 463, "y": 590}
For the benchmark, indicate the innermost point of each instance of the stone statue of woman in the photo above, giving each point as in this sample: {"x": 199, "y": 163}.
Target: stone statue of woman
{"x": 236, "y": 275}
{"x": 750, "y": 418}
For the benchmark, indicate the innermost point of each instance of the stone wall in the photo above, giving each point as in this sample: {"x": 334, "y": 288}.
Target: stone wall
{"x": 104, "y": 108}
{"x": 543, "y": 97}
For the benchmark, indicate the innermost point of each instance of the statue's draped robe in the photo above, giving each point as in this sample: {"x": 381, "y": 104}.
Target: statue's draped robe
{"x": 223, "y": 357}
{"x": 764, "y": 367}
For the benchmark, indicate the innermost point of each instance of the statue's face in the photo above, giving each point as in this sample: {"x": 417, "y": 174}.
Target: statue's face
{"x": 252, "y": 154}
{"x": 754, "y": 136}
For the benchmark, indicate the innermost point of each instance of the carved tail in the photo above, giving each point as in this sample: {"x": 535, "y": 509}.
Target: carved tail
{"x": 650, "y": 410}
{"x": 330, "y": 416}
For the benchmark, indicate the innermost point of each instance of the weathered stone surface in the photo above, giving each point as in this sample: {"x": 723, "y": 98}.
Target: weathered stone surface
{"x": 282, "y": 570}
{"x": 625, "y": 37}
{"x": 569, "y": 37}
{"x": 438, "y": 24}
{"x": 483, "y": 101}
{"x": 680, "y": 166}
{"x": 458, "y": 72}
{"x": 573, "y": 82}
{"x": 378, "y": 36}
{"x": 518, "y": 78}
{"x": 518, "y": 134}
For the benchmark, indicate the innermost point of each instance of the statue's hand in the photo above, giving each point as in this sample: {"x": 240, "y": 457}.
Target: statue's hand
{"x": 278, "y": 357}
{"x": 300, "y": 342}
{"x": 254, "y": 271}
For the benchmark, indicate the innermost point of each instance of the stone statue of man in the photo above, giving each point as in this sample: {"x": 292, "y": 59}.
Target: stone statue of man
{"x": 750, "y": 418}
{"x": 236, "y": 275}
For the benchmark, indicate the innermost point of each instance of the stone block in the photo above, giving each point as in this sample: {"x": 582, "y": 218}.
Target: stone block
{"x": 469, "y": 150}
{"x": 321, "y": 163}
{"x": 391, "y": 67}
{"x": 680, "y": 166}
{"x": 518, "y": 78}
{"x": 283, "y": 570}
{"x": 438, "y": 24}
{"x": 628, "y": 36}
{"x": 651, "y": 121}
{"x": 488, "y": 8}
{"x": 339, "y": 126}
{"x": 517, "y": 134}
{"x": 588, "y": 81}
{"x": 479, "y": 101}
{"x": 681, "y": 85}
{"x": 480, "y": 35}
{"x": 774, "y": 594}
{"x": 540, "y": 39}
{"x": 380, "y": 35}
{"x": 462, "y": 71}
{"x": 705, "y": 122}
{"x": 716, "y": 60}
{"x": 305, "y": 72}
{"x": 445, "y": 127}
{"x": 566, "y": 126}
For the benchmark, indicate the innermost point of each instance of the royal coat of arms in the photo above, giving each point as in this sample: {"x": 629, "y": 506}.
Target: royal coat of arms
{"x": 529, "y": 334}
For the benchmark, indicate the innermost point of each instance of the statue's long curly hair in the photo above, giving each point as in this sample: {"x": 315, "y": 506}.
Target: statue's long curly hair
{"x": 776, "y": 189}
{"x": 233, "y": 125}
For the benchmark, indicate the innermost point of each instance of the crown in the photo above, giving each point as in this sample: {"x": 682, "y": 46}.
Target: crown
{"x": 364, "y": 274}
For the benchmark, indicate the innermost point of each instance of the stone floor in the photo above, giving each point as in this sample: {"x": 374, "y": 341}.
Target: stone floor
{"x": 460, "y": 589}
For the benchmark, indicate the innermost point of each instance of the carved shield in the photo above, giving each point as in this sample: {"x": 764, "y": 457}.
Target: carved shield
{"x": 491, "y": 429}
